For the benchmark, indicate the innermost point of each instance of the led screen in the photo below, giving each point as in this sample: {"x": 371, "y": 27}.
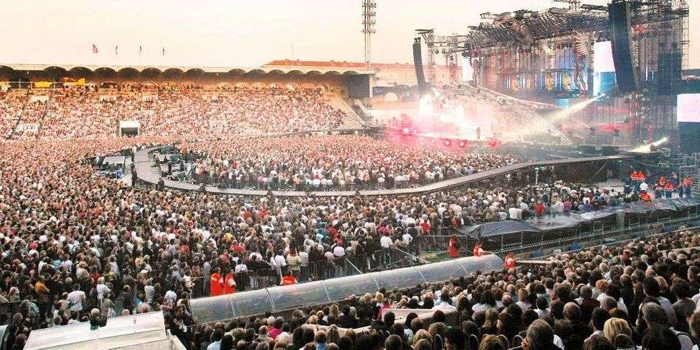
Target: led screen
{"x": 467, "y": 70}
{"x": 689, "y": 108}
{"x": 603, "y": 57}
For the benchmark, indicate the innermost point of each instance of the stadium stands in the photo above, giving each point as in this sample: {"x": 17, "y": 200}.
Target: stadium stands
{"x": 174, "y": 110}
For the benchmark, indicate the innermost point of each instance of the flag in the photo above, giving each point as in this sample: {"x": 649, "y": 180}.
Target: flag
{"x": 116, "y": 50}
{"x": 140, "y": 50}
{"x": 94, "y": 49}
{"x": 163, "y": 51}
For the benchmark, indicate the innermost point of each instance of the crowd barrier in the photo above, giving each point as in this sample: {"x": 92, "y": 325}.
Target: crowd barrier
{"x": 302, "y": 295}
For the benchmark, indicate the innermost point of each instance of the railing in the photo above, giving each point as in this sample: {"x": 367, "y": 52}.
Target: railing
{"x": 599, "y": 233}
{"x": 349, "y": 265}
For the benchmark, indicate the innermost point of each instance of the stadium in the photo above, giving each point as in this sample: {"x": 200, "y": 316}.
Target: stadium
{"x": 530, "y": 182}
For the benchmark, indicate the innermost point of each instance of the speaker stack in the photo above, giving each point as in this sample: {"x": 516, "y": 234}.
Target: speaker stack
{"x": 620, "y": 26}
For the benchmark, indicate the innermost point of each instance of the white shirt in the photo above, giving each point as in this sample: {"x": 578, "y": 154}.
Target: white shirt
{"x": 278, "y": 261}
{"x": 385, "y": 241}
{"x": 150, "y": 292}
{"x": 76, "y": 298}
{"x": 241, "y": 268}
{"x": 170, "y": 295}
{"x": 214, "y": 346}
{"x": 304, "y": 258}
{"x": 338, "y": 251}
{"x": 102, "y": 289}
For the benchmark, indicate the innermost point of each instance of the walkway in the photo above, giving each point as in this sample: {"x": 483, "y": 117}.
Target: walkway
{"x": 149, "y": 173}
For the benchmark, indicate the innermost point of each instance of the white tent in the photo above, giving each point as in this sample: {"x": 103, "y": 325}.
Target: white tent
{"x": 129, "y": 127}
{"x": 141, "y": 331}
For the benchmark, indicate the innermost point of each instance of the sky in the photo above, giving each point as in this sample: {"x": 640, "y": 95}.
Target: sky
{"x": 243, "y": 33}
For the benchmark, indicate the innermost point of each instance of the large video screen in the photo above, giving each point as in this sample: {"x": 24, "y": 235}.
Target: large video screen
{"x": 467, "y": 70}
{"x": 603, "y": 57}
{"x": 689, "y": 108}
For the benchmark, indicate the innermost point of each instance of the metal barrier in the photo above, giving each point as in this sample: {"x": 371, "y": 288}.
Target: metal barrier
{"x": 322, "y": 269}
{"x": 598, "y": 233}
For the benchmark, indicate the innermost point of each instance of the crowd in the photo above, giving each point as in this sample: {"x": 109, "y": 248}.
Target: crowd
{"x": 329, "y": 162}
{"x": 640, "y": 295}
{"x": 72, "y": 241}
{"x": 170, "y": 109}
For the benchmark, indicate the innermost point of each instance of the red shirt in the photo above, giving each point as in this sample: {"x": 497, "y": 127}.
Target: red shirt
{"x": 453, "y": 250}
{"x": 288, "y": 280}
{"x": 539, "y": 209}
{"x": 215, "y": 285}
{"x": 229, "y": 284}
{"x": 426, "y": 228}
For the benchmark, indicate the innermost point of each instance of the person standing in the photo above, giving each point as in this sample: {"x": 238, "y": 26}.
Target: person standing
{"x": 229, "y": 286}
{"x": 215, "y": 283}
{"x": 453, "y": 247}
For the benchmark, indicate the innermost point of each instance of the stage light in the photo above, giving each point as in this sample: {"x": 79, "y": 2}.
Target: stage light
{"x": 425, "y": 105}
{"x": 447, "y": 143}
{"x": 648, "y": 148}
{"x": 406, "y": 131}
{"x": 463, "y": 144}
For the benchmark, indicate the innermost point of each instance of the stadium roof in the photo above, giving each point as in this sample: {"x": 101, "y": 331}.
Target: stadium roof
{"x": 300, "y": 70}
{"x": 339, "y": 64}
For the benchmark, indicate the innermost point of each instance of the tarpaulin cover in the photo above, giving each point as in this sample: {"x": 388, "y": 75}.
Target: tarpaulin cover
{"x": 562, "y": 221}
{"x": 599, "y": 214}
{"x": 558, "y": 222}
{"x": 499, "y": 228}
{"x": 683, "y": 203}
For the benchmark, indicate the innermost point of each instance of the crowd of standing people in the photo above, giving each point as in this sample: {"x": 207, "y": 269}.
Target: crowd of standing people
{"x": 330, "y": 162}
{"x": 74, "y": 244}
{"x": 639, "y": 295}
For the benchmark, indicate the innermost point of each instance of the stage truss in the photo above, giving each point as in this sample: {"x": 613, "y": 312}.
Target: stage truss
{"x": 548, "y": 55}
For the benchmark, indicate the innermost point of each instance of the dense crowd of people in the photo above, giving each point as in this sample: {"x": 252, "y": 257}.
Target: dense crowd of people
{"x": 75, "y": 245}
{"x": 170, "y": 109}
{"x": 330, "y": 162}
{"x": 72, "y": 239}
{"x": 640, "y": 295}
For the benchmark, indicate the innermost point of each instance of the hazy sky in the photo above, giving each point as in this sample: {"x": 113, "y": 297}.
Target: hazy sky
{"x": 234, "y": 32}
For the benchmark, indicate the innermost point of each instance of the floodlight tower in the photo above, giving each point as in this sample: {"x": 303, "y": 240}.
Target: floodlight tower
{"x": 369, "y": 15}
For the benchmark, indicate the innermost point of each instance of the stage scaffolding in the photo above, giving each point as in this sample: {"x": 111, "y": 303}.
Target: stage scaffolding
{"x": 548, "y": 55}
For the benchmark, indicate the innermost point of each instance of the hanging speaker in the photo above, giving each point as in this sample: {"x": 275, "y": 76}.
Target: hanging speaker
{"x": 418, "y": 64}
{"x": 619, "y": 14}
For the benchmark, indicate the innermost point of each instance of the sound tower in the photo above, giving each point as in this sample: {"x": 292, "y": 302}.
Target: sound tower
{"x": 670, "y": 72}
{"x": 620, "y": 24}
{"x": 418, "y": 63}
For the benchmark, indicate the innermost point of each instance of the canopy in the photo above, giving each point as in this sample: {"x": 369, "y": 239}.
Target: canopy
{"x": 285, "y": 298}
